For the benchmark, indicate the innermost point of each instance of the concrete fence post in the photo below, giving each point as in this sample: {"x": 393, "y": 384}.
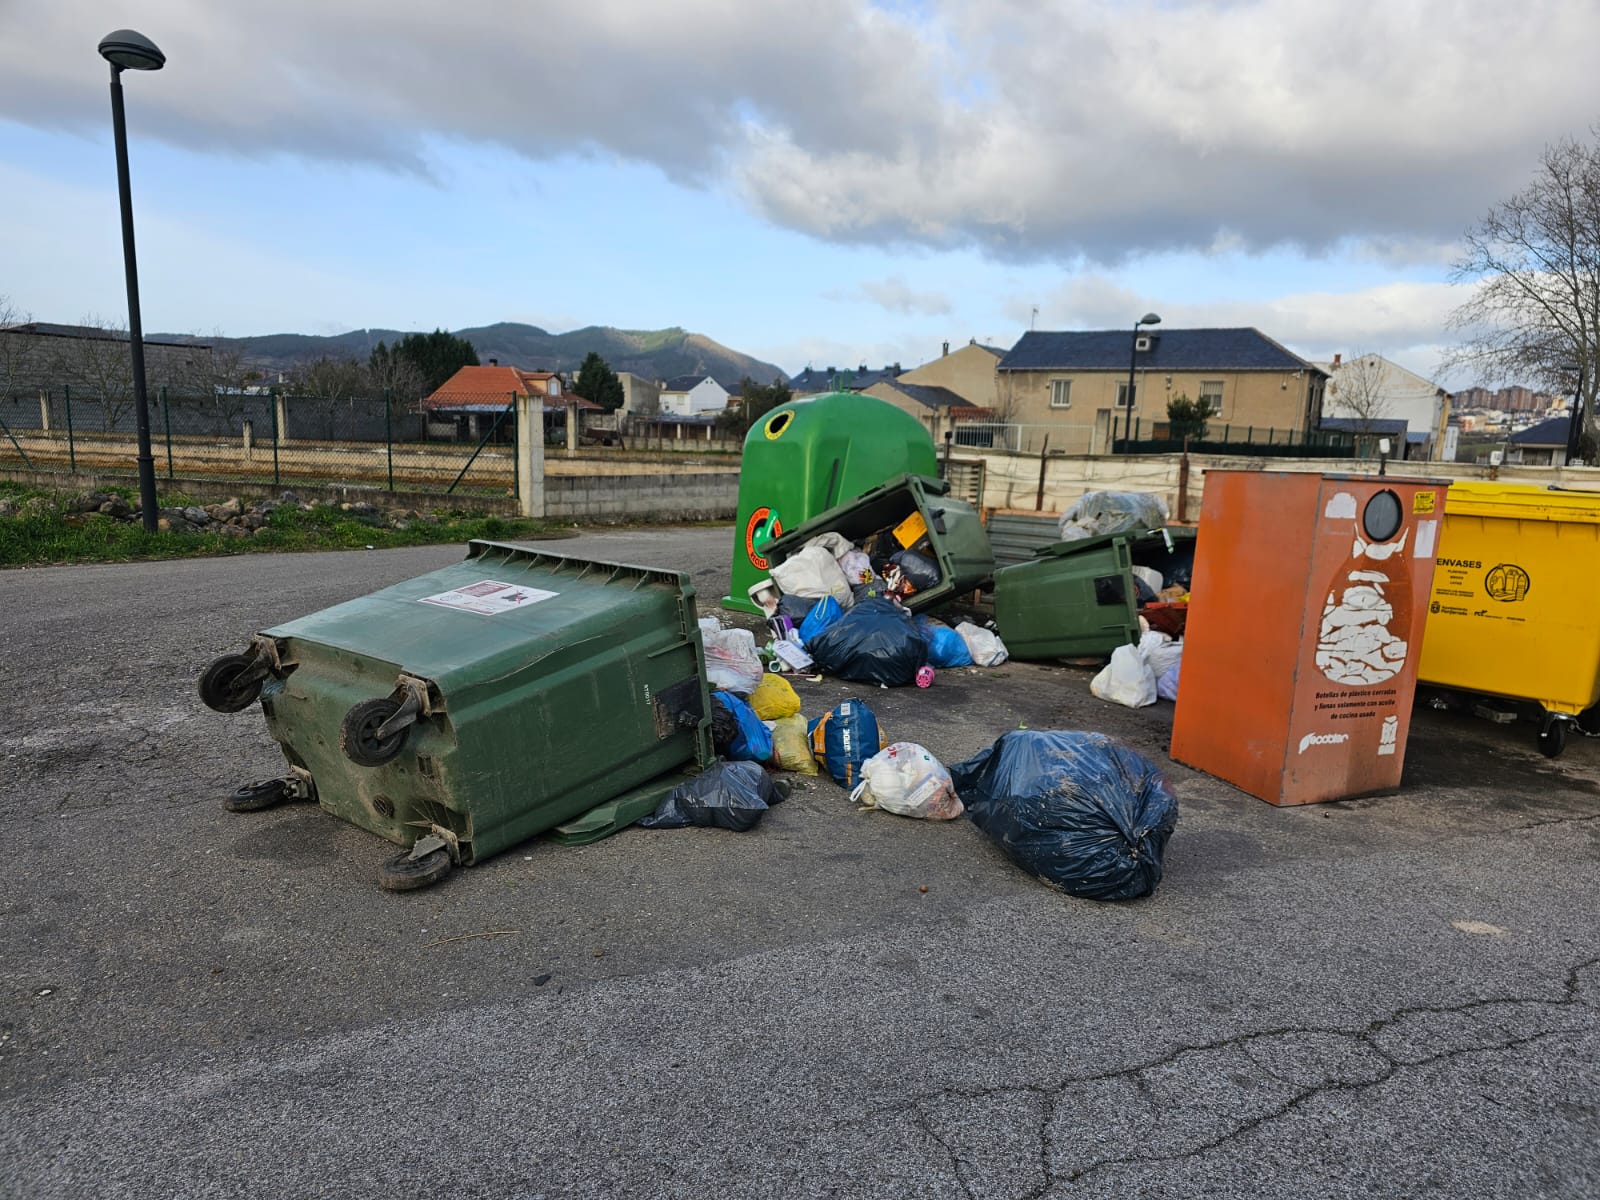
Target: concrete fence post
{"x": 530, "y": 455}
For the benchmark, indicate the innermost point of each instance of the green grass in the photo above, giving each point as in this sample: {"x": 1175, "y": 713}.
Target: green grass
{"x": 41, "y": 534}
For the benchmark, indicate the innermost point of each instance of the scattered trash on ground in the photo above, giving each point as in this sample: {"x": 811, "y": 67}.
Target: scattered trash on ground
{"x": 733, "y": 796}
{"x": 875, "y": 642}
{"x": 1077, "y": 810}
{"x": 844, "y": 738}
{"x": 906, "y": 780}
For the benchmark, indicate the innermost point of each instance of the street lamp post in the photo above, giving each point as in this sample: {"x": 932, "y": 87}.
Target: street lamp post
{"x": 126, "y": 50}
{"x": 1149, "y": 318}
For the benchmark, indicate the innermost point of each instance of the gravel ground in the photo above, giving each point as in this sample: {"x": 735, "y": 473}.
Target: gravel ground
{"x": 1387, "y": 997}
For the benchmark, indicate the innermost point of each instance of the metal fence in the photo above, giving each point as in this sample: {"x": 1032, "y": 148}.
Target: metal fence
{"x": 272, "y": 437}
{"x": 1145, "y": 437}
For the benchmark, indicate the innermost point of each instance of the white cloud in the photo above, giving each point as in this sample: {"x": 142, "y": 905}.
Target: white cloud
{"x": 895, "y": 295}
{"x": 1024, "y": 127}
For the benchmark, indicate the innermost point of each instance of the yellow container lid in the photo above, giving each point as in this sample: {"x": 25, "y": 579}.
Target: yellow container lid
{"x": 1522, "y": 502}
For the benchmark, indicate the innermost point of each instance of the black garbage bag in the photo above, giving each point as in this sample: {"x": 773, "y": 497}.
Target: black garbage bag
{"x": 875, "y": 642}
{"x": 921, "y": 570}
{"x": 1078, "y": 810}
{"x": 730, "y": 795}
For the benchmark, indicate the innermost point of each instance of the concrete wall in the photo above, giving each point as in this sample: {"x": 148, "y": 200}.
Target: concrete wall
{"x": 680, "y": 497}
{"x": 1012, "y": 480}
{"x": 639, "y": 395}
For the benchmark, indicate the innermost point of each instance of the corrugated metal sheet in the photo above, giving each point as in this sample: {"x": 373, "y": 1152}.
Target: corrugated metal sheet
{"x": 1015, "y": 535}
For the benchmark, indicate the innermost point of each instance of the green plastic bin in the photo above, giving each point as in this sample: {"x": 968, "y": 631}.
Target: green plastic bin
{"x": 484, "y": 703}
{"x": 808, "y": 455}
{"x": 1078, "y": 599}
{"x": 954, "y": 529}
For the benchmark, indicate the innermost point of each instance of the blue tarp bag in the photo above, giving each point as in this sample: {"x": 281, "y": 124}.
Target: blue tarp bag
{"x": 746, "y": 737}
{"x": 844, "y": 738}
{"x": 1077, "y": 810}
{"x": 946, "y": 647}
{"x": 823, "y": 613}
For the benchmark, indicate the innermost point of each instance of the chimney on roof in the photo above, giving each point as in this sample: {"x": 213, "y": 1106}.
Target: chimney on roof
{"x": 946, "y": 350}
{"x": 494, "y": 362}
{"x": 1336, "y": 360}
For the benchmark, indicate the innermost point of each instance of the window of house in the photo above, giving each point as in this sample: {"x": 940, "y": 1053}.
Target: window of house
{"x": 1122, "y": 395}
{"x": 1211, "y": 390}
{"x": 555, "y": 387}
{"x": 1061, "y": 393}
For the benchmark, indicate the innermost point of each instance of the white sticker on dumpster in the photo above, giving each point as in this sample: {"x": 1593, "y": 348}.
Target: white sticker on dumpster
{"x": 490, "y": 597}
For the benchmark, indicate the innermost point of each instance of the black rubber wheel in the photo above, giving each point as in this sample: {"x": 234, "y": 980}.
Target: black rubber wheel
{"x": 1589, "y": 721}
{"x": 1553, "y": 739}
{"x": 263, "y": 793}
{"x": 402, "y": 873}
{"x": 218, "y": 684}
{"x": 358, "y": 736}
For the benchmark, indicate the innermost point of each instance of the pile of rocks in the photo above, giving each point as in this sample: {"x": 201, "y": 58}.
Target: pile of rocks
{"x": 233, "y": 517}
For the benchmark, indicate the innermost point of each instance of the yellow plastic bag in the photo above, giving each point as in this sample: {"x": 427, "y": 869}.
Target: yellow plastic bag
{"x": 774, "y": 699}
{"x": 791, "y": 748}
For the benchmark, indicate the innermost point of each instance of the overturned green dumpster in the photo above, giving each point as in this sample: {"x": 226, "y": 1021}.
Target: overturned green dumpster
{"x": 466, "y": 710}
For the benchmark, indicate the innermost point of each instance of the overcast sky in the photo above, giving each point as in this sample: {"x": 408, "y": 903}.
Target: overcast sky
{"x": 824, "y": 182}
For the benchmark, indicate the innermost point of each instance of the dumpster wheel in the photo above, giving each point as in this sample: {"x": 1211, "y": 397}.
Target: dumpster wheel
{"x": 263, "y": 793}
{"x": 358, "y": 735}
{"x": 1553, "y": 738}
{"x": 402, "y": 873}
{"x": 219, "y": 684}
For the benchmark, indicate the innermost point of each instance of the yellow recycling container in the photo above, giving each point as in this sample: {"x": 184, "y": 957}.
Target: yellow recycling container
{"x": 1512, "y": 612}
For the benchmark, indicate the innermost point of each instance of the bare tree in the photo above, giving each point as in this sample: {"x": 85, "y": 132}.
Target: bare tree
{"x": 100, "y": 364}
{"x": 17, "y": 351}
{"x": 1535, "y": 261}
{"x": 329, "y": 382}
{"x": 1358, "y": 391}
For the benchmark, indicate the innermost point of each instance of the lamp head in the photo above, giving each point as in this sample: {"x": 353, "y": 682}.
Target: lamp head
{"x": 129, "y": 50}
{"x": 1150, "y": 319}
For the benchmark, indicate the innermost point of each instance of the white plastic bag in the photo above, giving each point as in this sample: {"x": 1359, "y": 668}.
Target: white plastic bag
{"x": 1167, "y": 685}
{"x": 857, "y": 567}
{"x": 1100, "y": 513}
{"x": 906, "y": 780}
{"x": 835, "y": 544}
{"x": 814, "y": 573}
{"x": 1126, "y": 680}
{"x": 732, "y": 664}
{"x": 986, "y": 648}
{"x": 1150, "y": 577}
{"x": 1160, "y": 652}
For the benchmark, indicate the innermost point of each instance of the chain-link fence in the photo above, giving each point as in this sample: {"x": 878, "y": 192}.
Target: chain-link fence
{"x": 267, "y": 436}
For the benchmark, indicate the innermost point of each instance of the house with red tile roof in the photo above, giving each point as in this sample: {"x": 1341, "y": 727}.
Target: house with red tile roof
{"x": 475, "y": 399}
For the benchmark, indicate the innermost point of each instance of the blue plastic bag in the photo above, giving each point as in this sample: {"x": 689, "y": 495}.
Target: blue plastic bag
{"x": 844, "y": 738}
{"x": 748, "y": 739}
{"x": 1077, "y": 810}
{"x": 946, "y": 647}
{"x": 823, "y": 613}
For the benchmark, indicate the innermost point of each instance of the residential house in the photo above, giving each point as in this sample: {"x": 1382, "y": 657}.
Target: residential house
{"x": 1541, "y": 445}
{"x": 814, "y": 382}
{"x": 1369, "y": 390}
{"x": 1073, "y": 386}
{"x": 692, "y": 395}
{"x": 472, "y": 403}
{"x": 935, "y": 407}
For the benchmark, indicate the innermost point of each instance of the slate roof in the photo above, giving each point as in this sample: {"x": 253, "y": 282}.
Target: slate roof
{"x": 1244, "y": 349}
{"x": 842, "y": 379}
{"x": 1546, "y": 433}
{"x": 928, "y": 396}
{"x": 686, "y": 383}
{"x": 50, "y": 329}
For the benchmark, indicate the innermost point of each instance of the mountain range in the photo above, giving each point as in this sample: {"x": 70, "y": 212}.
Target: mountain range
{"x": 653, "y": 354}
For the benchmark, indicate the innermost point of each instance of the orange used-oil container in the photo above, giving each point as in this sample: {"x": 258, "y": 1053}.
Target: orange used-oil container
{"x": 1304, "y": 634}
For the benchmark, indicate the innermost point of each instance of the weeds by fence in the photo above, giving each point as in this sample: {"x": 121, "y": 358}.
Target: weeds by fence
{"x": 270, "y": 437}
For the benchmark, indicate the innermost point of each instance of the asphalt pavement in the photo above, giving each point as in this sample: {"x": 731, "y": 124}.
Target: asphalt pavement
{"x": 1390, "y": 997}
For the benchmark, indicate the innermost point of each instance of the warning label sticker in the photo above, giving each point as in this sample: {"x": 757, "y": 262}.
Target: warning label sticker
{"x": 1423, "y": 502}
{"x": 489, "y": 597}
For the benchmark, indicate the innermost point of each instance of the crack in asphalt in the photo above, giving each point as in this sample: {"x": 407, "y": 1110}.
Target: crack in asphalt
{"x": 1366, "y": 1038}
{"x": 1556, "y": 821}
